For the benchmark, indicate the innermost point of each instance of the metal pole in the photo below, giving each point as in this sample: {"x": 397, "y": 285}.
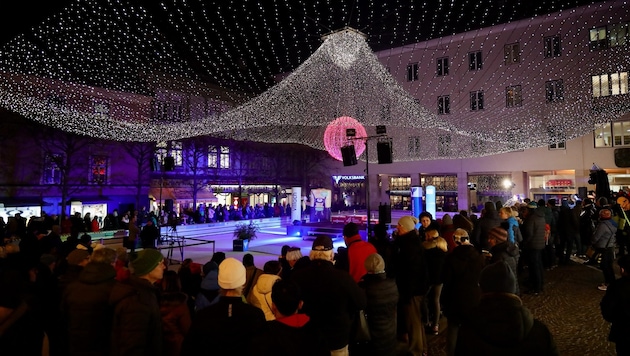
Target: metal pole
{"x": 367, "y": 185}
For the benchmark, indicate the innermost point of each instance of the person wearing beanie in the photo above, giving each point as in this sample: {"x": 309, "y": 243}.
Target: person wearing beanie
{"x": 229, "y": 325}
{"x": 410, "y": 270}
{"x": 489, "y": 219}
{"x": 533, "y": 230}
{"x": 137, "y": 322}
{"x": 502, "y": 250}
{"x": 358, "y": 250}
{"x": 382, "y": 300}
{"x": 427, "y": 223}
{"x": 501, "y": 324}
{"x": 604, "y": 240}
{"x": 330, "y": 295}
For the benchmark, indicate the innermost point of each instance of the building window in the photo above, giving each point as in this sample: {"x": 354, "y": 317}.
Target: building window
{"x": 476, "y": 100}
{"x": 224, "y": 159}
{"x": 52, "y": 173}
{"x": 414, "y": 146}
{"x": 400, "y": 183}
{"x": 603, "y": 136}
{"x": 444, "y": 105}
{"x": 474, "y": 60}
{"x": 213, "y": 156}
{"x": 557, "y": 138}
{"x": 598, "y": 38}
{"x": 552, "y": 47}
{"x": 177, "y": 153}
{"x": 621, "y": 133}
{"x": 412, "y": 72}
{"x": 618, "y": 34}
{"x": 554, "y": 91}
{"x": 512, "y": 53}
{"x": 99, "y": 167}
{"x": 513, "y": 96}
{"x": 610, "y": 84}
{"x": 444, "y": 145}
{"x": 442, "y": 66}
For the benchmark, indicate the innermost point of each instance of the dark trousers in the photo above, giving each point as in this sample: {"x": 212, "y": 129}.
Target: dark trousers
{"x": 535, "y": 268}
{"x": 608, "y": 257}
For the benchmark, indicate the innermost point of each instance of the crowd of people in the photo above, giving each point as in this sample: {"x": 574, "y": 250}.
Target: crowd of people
{"x": 80, "y": 298}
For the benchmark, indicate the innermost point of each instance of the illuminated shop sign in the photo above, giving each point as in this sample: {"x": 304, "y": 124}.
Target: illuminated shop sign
{"x": 337, "y": 179}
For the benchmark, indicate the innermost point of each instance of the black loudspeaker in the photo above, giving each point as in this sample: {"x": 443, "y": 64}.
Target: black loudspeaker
{"x": 622, "y": 157}
{"x": 168, "y": 205}
{"x": 384, "y": 152}
{"x": 385, "y": 214}
{"x": 349, "y": 155}
{"x": 582, "y": 192}
{"x": 169, "y": 163}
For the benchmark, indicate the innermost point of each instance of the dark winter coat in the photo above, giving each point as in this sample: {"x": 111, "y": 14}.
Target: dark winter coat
{"x": 568, "y": 222}
{"x": 224, "y": 328}
{"x": 294, "y": 335}
{"x": 615, "y": 308}
{"x": 409, "y": 266}
{"x": 604, "y": 235}
{"x": 489, "y": 220}
{"x": 382, "y": 299}
{"x": 175, "y": 321}
{"x": 86, "y": 309}
{"x": 501, "y": 326}
{"x": 533, "y": 230}
{"x": 137, "y": 323}
{"x": 507, "y": 252}
{"x": 461, "y": 292}
{"x": 331, "y": 297}
{"x": 434, "y": 256}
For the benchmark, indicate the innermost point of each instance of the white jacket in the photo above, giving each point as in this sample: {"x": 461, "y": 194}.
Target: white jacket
{"x": 260, "y": 295}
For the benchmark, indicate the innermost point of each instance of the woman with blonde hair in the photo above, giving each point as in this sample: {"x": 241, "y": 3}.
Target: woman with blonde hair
{"x": 435, "y": 248}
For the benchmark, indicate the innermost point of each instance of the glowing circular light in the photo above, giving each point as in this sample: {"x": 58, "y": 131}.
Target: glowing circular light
{"x": 335, "y": 136}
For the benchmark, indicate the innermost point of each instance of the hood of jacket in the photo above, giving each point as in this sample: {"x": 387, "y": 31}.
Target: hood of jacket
{"x": 94, "y": 273}
{"x": 502, "y": 320}
{"x": 211, "y": 280}
{"x": 265, "y": 283}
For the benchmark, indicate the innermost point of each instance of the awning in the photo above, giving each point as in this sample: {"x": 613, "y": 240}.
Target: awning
{"x": 182, "y": 194}
{"x": 23, "y": 201}
{"x": 167, "y": 193}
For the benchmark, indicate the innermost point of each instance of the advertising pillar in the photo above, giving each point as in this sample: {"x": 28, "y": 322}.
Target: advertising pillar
{"x": 416, "y": 200}
{"x": 430, "y": 199}
{"x": 296, "y": 203}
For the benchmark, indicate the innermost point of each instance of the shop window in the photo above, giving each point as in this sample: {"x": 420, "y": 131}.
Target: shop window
{"x": 412, "y": 72}
{"x": 610, "y": 84}
{"x": 442, "y": 66}
{"x": 476, "y": 100}
{"x": 554, "y": 91}
{"x": 99, "y": 168}
{"x": 513, "y": 96}
{"x": 400, "y": 183}
{"x": 444, "y": 104}
{"x": 512, "y": 53}
{"x": 213, "y": 156}
{"x": 621, "y": 133}
{"x": 603, "y": 136}
{"x": 474, "y": 60}
{"x": 552, "y": 47}
{"x": 52, "y": 172}
{"x": 224, "y": 159}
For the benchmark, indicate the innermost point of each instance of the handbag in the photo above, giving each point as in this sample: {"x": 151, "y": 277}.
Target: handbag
{"x": 361, "y": 332}
{"x": 594, "y": 255}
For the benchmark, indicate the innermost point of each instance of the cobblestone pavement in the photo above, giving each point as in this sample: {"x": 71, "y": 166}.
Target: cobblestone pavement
{"x": 569, "y": 306}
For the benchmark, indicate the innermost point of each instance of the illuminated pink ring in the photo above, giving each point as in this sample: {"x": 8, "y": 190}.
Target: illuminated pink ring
{"x": 335, "y": 136}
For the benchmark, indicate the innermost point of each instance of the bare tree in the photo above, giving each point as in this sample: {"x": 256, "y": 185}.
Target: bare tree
{"x": 196, "y": 163}
{"x": 142, "y": 153}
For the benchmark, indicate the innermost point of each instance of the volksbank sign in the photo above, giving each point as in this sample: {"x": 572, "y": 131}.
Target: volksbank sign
{"x": 337, "y": 179}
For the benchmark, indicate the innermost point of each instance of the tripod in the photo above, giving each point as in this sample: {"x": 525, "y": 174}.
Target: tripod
{"x": 173, "y": 239}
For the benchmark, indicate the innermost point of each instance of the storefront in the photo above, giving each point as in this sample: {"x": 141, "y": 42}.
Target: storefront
{"x": 400, "y": 193}
{"x": 552, "y": 185}
{"x": 348, "y": 192}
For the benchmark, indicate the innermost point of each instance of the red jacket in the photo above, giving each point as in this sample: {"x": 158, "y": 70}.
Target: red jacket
{"x": 358, "y": 251}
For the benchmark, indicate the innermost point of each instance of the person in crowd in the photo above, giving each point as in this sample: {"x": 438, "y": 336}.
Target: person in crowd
{"x": 446, "y": 231}
{"x": 568, "y": 230}
{"x": 149, "y": 235}
{"x": 358, "y": 250}
{"x": 85, "y": 303}
{"x": 426, "y": 223}
{"x": 95, "y": 224}
{"x": 129, "y": 241}
{"x": 461, "y": 292}
{"x": 283, "y": 257}
{"x": 331, "y": 296}
{"x": 190, "y": 277}
{"x": 501, "y": 324}
{"x": 435, "y": 249}
{"x": 510, "y": 224}
{"x": 253, "y": 273}
{"x": 603, "y": 240}
{"x": 209, "y": 289}
{"x": 553, "y": 243}
{"x": 489, "y": 219}
{"x": 382, "y": 300}
{"x": 260, "y": 295}
{"x": 383, "y": 244}
{"x": 410, "y": 271}
{"x": 588, "y": 218}
{"x": 290, "y": 333}
{"x": 74, "y": 265}
{"x": 501, "y": 249}
{"x": 137, "y": 322}
{"x": 534, "y": 243}
{"x": 623, "y": 224}
{"x": 462, "y": 221}
{"x": 51, "y": 243}
{"x": 294, "y": 261}
{"x": 614, "y": 307}
{"x": 175, "y": 313}
{"x": 228, "y": 326}
{"x": 122, "y": 264}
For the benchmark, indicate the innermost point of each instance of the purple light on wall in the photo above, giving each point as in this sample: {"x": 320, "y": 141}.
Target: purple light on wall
{"x": 335, "y": 136}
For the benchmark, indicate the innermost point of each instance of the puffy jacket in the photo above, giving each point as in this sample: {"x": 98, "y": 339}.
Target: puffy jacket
{"x": 604, "y": 235}
{"x": 461, "y": 292}
{"x": 382, "y": 299}
{"x": 533, "y": 230}
{"x": 260, "y": 296}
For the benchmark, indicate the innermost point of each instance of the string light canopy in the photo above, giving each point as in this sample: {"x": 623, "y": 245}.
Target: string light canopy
{"x": 120, "y": 51}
